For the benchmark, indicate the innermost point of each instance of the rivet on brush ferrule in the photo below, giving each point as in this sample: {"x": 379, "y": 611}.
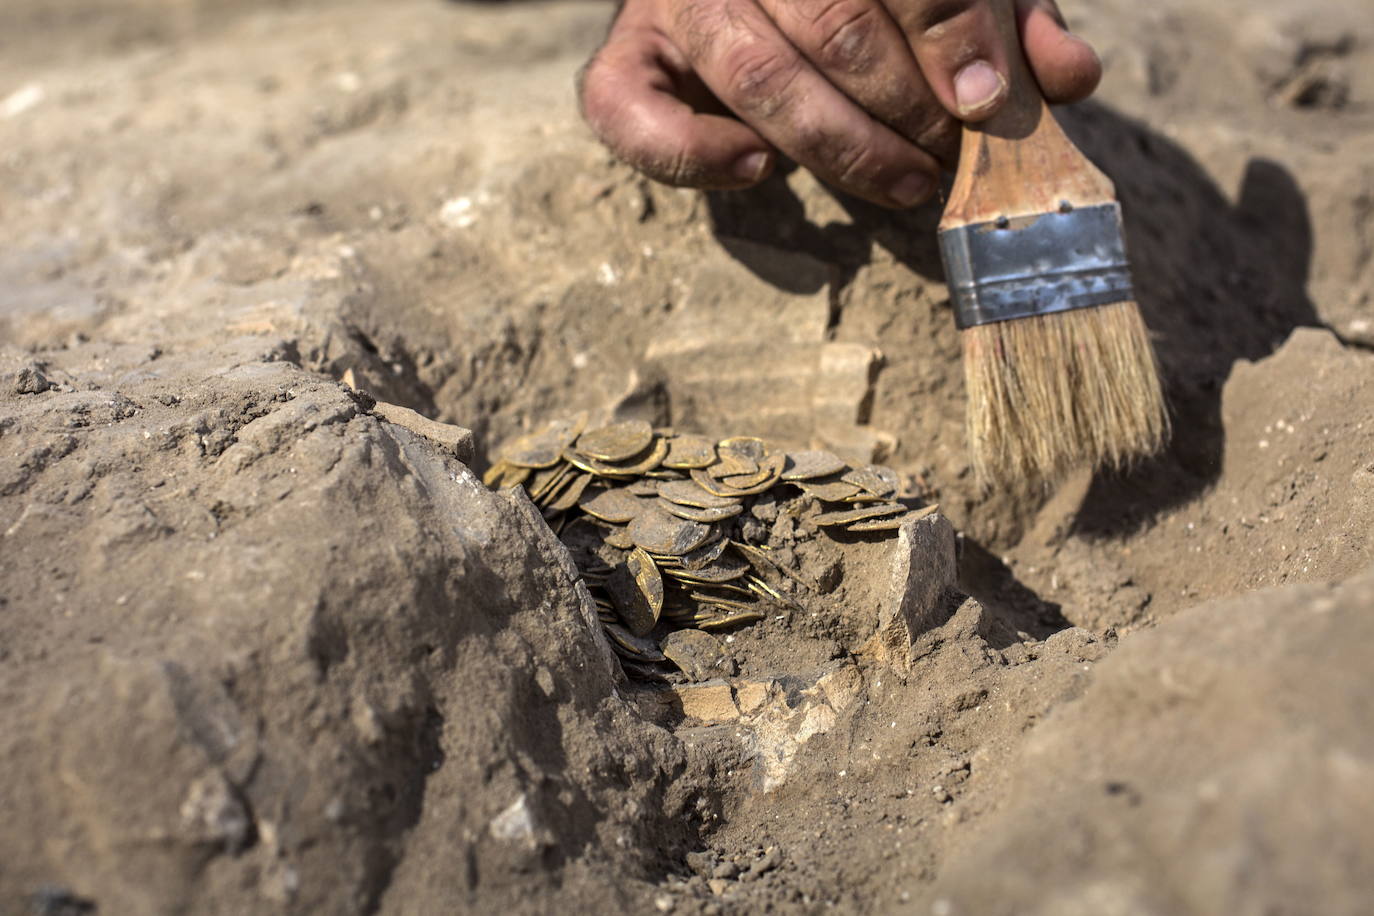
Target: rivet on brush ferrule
{"x": 1036, "y": 265}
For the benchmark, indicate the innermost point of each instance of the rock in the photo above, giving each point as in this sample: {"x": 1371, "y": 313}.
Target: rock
{"x": 771, "y": 859}
{"x": 284, "y": 623}
{"x": 921, "y": 580}
{"x": 516, "y": 824}
{"x": 31, "y": 380}
{"x": 454, "y": 439}
{"x": 750, "y": 695}
{"x": 708, "y": 702}
{"x": 718, "y": 886}
{"x": 700, "y": 655}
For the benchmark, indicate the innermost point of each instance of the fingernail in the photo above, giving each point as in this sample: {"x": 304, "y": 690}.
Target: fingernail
{"x": 910, "y": 190}
{"x": 751, "y": 167}
{"x": 977, "y": 86}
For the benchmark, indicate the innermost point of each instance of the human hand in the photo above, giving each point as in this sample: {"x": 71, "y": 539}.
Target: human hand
{"x": 867, "y": 94}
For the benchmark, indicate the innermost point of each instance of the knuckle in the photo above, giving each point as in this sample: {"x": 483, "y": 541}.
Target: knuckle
{"x": 696, "y": 24}
{"x": 844, "y": 33}
{"x": 757, "y": 78}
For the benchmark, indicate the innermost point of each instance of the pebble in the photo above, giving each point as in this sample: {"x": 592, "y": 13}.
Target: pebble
{"x": 718, "y": 886}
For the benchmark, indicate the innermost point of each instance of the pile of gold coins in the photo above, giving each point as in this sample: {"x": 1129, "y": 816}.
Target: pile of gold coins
{"x": 651, "y": 518}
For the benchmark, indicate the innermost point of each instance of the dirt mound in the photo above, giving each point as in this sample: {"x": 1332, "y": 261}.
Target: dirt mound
{"x": 1238, "y": 742}
{"x": 267, "y": 645}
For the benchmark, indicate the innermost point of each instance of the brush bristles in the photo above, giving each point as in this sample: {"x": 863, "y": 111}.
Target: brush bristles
{"x": 1053, "y": 392}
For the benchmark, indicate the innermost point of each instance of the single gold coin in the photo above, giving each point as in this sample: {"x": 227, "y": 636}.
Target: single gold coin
{"x": 705, "y": 516}
{"x": 845, "y": 516}
{"x": 616, "y": 442}
{"x": 543, "y": 448}
{"x": 658, "y": 532}
{"x": 688, "y": 452}
{"x": 868, "y": 479}
{"x": 749, "y": 446}
{"x": 690, "y": 493}
{"x": 812, "y": 464}
{"x": 831, "y": 490}
{"x": 614, "y": 505}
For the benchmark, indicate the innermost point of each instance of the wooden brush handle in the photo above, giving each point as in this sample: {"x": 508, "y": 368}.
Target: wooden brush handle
{"x": 1019, "y": 161}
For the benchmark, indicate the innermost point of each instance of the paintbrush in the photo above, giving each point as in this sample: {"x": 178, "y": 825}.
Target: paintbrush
{"x": 1058, "y": 366}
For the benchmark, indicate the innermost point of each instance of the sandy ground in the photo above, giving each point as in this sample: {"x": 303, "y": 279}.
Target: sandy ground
{"x": 263, "y": 650}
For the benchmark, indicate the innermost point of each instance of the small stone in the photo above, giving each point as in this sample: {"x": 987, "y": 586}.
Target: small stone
{"x": 457, "y": 440}
{"x": 31, "y": 380}
{"x": 718, "y": 886}
{"x": 726, "y": 869}
{"x": 664, "y": 903}
{"x": 700, "y": 862}
{"x": 711, "y": 701}
{"x": 771, "y": 859}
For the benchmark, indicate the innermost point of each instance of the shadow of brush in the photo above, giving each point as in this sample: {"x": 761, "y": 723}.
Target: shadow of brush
{"x": 1216, "y": 282}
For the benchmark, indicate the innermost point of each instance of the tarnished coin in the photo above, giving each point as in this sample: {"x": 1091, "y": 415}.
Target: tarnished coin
{"x": 869, "y": 480}
{"x": 828, "y": 490}
{"x": 733, "y": 618}
{"x": 891, "y": 482}
{"x": 636, "y": 590}
{"x": 689, "y": 493}
{"x": 705, "y": 555}
{"x": 705, "y": 516}
{"x": 643, "y": 487}
{"x": 723, "y": 570}
{"x": 690, "y": 452}
{"x": 748, "y": 446}
{"x": 722, "y": 591}
{"x": 545, "y": 479}
{"x": 647, "y": 578}
{"x": 564, "y": 499}
{"x": 812, "y": 464}
{"x": 700, "y": 655}
{"x": 494, "y": 473}
{"x": 658, "y": 532}
{"x": 614, "y": 505}
{"x": 620, "y": 538}
{"x": 770, "y": 468}
{"x": 635, "y": 647}
{"x": 641, "y": 463}
{"x": 543, "y": 448}
{"x": 730, "y": 462}
{"x": 711, "y": 485}
{"x": 892, "y": 523}
{"x": 845, "y": 516}
{"x": 617, "y": 441}
{"x": 508, "y": 476}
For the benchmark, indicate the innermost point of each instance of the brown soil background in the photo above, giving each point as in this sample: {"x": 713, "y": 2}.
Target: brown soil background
{"x": 261, "y": 651}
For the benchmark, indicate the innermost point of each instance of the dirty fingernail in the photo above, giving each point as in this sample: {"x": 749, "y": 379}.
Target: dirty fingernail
{"x": 977, "y": 86}
{"x": 910, "y": 190}
{"x": 751, "y": 167}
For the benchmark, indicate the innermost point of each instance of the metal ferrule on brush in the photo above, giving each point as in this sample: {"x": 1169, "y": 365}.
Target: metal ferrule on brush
{"x": 1015, "y": 267}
